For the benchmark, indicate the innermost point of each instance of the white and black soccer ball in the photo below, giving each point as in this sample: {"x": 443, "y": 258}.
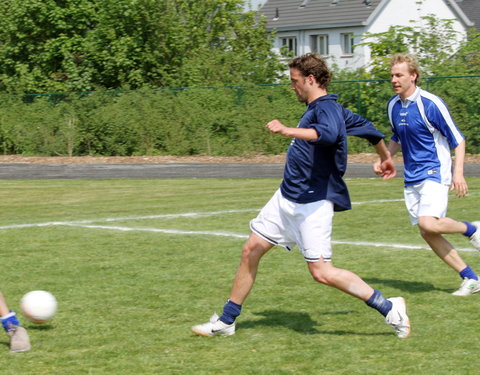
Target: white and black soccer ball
{"x": 38, "y": 306}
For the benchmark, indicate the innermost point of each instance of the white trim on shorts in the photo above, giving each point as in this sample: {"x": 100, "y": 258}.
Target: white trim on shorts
{"x": 429, "y": 198}
{"x": 307, "y": 225}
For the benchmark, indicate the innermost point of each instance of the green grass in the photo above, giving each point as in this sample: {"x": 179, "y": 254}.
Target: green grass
{"x": 127, "y": 299}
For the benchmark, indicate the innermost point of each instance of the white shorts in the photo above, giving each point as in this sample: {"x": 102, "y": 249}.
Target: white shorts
{"x": 285, "y": 223}
{"x": 429, "y": 198}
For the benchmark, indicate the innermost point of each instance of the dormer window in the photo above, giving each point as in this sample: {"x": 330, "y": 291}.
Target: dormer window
{"x": 304, "y": 4}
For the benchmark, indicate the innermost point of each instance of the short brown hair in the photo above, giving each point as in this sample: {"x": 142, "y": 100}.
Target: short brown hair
{"x": 314, "y": 65}
{"x": 412, "y": 63}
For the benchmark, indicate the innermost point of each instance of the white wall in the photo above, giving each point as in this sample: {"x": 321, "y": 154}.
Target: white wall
{"x": 402, "y": 12}
{"x": 336, "y": 56}
{"x": 391, "y": 13}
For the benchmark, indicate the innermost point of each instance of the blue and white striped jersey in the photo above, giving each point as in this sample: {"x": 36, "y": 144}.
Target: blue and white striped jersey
{"x": 424, "y": 128}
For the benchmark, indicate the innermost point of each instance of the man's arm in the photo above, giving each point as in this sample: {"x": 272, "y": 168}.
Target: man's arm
{"x": 459, "y": 184}
{"x": 360, "y": 127}
{"x": 307, "y": 134}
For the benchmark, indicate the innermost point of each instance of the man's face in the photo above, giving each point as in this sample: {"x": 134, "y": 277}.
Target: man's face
{"x": 403, "y": 82}
{"x": 299, "y": 84}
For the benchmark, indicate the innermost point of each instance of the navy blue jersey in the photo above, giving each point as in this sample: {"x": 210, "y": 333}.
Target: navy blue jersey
{"x": 314, "y": 169}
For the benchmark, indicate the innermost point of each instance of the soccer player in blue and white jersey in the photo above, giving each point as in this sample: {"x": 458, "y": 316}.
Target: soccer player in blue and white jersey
{"x": 424, "y": 130}
{"x": 301, "y": 211}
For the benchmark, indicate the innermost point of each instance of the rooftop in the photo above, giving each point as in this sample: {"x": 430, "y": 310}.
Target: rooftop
{"x": 283, "y": 14}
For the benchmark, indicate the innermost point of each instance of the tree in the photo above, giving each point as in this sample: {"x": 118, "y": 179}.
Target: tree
{"x": 438, "y": 58}
{"x": 41, "y": 44}
{"x": 81, "y": 45}
{"x": 431, "y": 41}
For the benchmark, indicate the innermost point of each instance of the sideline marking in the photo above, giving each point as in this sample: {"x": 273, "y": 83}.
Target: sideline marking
{"x": 127, "y": 218}
{"x": 159, "y": 230}
{"x": 243, "y": 236}
{"x": 89, "y": 224}
{"x": 160, "y": 216}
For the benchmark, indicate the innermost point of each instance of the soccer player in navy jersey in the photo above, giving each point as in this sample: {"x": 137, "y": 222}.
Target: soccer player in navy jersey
{"x": 424, "y": 130}
{"x": 301, "y": 210}
{"x": 19, "y": 340}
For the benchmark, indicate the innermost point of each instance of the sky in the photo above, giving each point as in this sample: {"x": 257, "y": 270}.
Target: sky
{"x": 254, "y": 4}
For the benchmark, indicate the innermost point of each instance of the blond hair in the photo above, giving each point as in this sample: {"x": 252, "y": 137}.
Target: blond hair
{"x": 412, "y": 63}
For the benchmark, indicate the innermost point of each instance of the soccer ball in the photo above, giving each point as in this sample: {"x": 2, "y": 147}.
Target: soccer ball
{"x": 38, "y": 306}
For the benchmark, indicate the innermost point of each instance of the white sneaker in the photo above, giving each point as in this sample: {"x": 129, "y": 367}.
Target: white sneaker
{"x": 397, "y": 317}
{"x": 19, "y": 340}
{"x": 475, "y": 238}
{"x": 469, "y": 286}
{"x": 215, "y": 327}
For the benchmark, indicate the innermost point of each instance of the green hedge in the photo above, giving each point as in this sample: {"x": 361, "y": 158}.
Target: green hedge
{"x": 208, "y": 121}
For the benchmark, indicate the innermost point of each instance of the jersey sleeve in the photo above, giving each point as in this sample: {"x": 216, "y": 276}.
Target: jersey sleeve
{"x": 326, "y": 124}
{"x": 439, "y": 116}
{"x": 360, "y": 127}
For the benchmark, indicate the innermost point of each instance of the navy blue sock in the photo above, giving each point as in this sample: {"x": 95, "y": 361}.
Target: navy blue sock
{"x": 379, "y": 302}
{"x": 471, "y": 229}
{"x": 468, "y": 273}
{"x": 230, "y": 312}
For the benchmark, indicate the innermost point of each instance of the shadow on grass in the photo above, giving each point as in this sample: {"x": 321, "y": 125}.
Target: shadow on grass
{"x": 299, "y": 322}
{"x": 38, "y": 327}
{"x": 407, "y": 286}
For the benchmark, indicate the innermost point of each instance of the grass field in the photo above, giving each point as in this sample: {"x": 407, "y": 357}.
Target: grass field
{"x": 135, "y": 263}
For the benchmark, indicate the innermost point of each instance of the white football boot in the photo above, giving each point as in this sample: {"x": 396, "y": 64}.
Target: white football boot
{"x": 215, "y": 327}
{"x": 475, "y": 238}
{"x": 397, "y": 317}
{"x": 469, "y": 286}
{"x": 19, "y": 340}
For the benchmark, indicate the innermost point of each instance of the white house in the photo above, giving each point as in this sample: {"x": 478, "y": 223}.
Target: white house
{"x": 332, "y": 28}
{"x": 470, "y": 7}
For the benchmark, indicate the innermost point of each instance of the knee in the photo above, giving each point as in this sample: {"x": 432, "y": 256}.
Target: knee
{"x": 428, "y": 227}
{"x": 252, "y": 250}
{"x": 320, "y": 277}
{"x": 247, "y": 250}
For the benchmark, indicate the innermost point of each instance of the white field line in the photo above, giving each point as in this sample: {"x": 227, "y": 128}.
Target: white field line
{"x": 378, "y": 201}
{"x": 166, "y": 231}
{"x": 244, "y": 236}
{"x": 89, "y": 224}
{"x": 161, "y": 216}
{"x": 126, "y": 218}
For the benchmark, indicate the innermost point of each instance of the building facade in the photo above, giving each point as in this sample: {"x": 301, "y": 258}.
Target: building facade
{"x": 334, "y": 28}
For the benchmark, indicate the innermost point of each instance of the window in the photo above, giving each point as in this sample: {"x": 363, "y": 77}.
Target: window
{"x": 319, "y": 44}
{"x": 347, "y": 43}
{"x": 289, "y": 45}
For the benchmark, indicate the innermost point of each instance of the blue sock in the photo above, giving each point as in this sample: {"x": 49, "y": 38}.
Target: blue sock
{"x": 471, "y": 229}
{"x": 230, "y": 312}
{"x": 379, "y": 302}
{"x": 9, "y": 320}
{"x": 468, "y": 273}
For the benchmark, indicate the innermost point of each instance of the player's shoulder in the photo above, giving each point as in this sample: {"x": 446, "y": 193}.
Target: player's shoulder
{"x": 428, "y": 96}
{"x": 393, "y": 99}
{"x": 430, "y": 99}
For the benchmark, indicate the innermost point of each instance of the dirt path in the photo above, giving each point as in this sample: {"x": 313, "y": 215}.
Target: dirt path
{"x": 265, "y": 159}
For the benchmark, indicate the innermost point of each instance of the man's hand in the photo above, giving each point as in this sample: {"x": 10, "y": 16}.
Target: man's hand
{"x": 459, "y": 185}
{"x": 277, "y": 127}
{"x": 307, "y": 134}
{"x": 385, "y": 169}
